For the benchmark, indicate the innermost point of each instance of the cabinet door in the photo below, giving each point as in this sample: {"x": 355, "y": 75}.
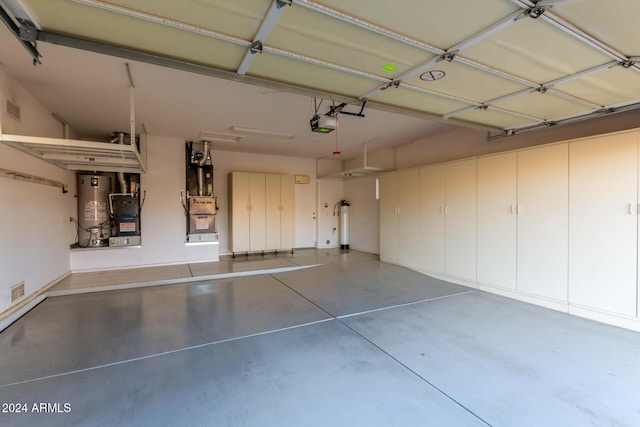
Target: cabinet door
{"x": 603, "y": 223}
{"x": 257, "y": 211}
{"x": 389, "y": 218}
{"x": 460, "y": 225}
{"x": 543, "y": 228}
{"x": 497, "y": 196}
{"x": 272, "y": 211}
{"x": 287, "y": 212}
{"x": 409, "y": 240}
{"x": 240, "y": 210}
{"x": 432, "y": 218}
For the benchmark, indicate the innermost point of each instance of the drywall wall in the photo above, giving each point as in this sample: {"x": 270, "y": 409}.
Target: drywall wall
{"x": 34, "y": 218}
{"x": 330, "y": 192}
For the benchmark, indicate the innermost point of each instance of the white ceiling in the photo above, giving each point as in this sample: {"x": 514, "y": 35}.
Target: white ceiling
{"x": 509, "y": 66}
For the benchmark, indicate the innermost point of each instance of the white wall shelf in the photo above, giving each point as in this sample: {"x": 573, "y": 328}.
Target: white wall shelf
{"x": 79, "y": 155}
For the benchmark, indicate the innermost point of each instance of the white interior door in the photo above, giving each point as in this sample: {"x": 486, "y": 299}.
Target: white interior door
{"x": 603, "y": 180}
{"x": 497, "y": 220}
{"x": 543, "y": 222}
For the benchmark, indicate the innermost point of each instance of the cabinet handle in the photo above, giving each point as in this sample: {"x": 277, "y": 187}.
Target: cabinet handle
{"x": 398, "y": 210}
{"x": 441, "y": 209}
{"x": 630, "y": 207}
{"x": 518, "y": 210}
{"x": 513, "y": 209}
{"x": 446, "y": 209}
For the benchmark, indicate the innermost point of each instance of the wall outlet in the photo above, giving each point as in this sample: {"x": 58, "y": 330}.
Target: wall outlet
{"x": 17, "y": 291}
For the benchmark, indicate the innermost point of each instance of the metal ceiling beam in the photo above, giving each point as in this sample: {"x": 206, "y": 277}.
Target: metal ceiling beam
{"x": 572, "y": 30}
{"x": 570, "y": 119}
{"x": 268, "y": 24}
{"x": 487, "y": 32}
{"x": 163, "y": 21}
{"x": 368, "y": 26}
{"x": 440, "y": 94}
{"x": 106, "y": 49}
{"x": 16, "y": 31}
{"x": 21, "y": 12}
{"x": 321, "y": 63}
{"x": 583, "y": 73}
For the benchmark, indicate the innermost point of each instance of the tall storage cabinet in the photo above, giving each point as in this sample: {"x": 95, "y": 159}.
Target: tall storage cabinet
{"x": 432, "y": 218}
{"x": 460, "y": 211}
{"x": 543, "y": 221}
{"x": 523, "y": 221}
{"x": 280, "y": 212}
{"x": 399, "y": 218}
{"x": 603, "y": 223}
{"x": 497, "y": 224}
{"x": 557, "y": 225}
{"x": 262, "y": 215}
{"x": 447, "y": 222}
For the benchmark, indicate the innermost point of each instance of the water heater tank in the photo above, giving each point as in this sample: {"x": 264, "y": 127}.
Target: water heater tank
{"x": 94, "y": 227}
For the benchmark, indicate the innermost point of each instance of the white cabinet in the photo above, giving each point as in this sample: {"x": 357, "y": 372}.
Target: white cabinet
{"x": 543, "y": 215}
{"x": 280, "y": 211}
{"x": 603, "y": 223}
{"x": 523, "y": 221}
{"x": 432, "y": 218}
{"x": 497, "y": 223}
{"x": 447, "y": 222}
{"x": 460, "y": 222}
{"x": 399, "y": 218}
{"x": 262, "y": 215}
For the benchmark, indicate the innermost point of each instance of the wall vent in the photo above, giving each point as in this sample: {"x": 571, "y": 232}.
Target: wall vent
{"x": 17, "y": 291}
{"x": 13, "y": 110}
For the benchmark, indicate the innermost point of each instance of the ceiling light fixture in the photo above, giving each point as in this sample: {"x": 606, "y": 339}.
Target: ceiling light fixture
{"x": 263, "y": 132}
{"x": 218, "y": 137}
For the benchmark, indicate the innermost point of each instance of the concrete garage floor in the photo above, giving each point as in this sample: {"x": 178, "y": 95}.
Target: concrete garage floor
{"x": 352, "y": 342}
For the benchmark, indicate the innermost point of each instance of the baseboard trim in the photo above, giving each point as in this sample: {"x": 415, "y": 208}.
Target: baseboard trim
{"x": 15, "y": 312}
